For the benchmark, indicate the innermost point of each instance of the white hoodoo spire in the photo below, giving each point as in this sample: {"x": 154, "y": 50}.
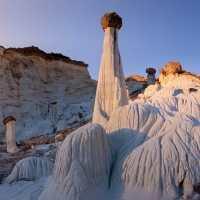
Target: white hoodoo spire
{"x": 111, "y": 89}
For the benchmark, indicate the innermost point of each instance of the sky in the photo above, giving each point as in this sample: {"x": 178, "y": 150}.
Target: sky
{"x": 154, "y": 32}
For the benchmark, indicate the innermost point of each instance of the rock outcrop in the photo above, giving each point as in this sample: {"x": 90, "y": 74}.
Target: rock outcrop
{"x": 30, "y": 169}
{"x": 83, "y": 162}
{"x": 170, "y": 72}
{"x": 136, "y": 85}
{"x": 172, "y": 68}
{"x": 111, "y": 89}
{"x": 32, "y": 80}
{"x": 151, "y": 144}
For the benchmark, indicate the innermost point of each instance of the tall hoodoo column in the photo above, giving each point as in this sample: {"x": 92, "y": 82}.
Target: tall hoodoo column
{"x": 111, "y": 89}
{"x": 10, "y": 134}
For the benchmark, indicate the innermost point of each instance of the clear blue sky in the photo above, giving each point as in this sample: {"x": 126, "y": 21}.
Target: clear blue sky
{"x": 154, "y": 32}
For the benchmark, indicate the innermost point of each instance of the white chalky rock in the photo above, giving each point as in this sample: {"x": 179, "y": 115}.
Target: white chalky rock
{"x": 10, "y": 134}
{"x": 30, "y": 80}
{"x": 111, "y": 89}
{"x": 155, "y": 140}
{"x": 62, "y": 124}
{"x": 163, "y": 162}
{"x": 151, "y": 90}
{"x": 83, "y": 162}
{"x": 75, "y": 185}
{"x": 31, "y": 168}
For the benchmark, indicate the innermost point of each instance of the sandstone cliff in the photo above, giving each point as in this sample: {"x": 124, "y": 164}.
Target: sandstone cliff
{"x": 39, "y": 89}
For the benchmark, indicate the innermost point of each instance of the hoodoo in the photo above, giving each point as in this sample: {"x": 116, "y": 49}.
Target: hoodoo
{"x": 10, "y": 134}
{"x": 111, "y": 89}
{"x": 54, "y": 110}
{"x": 151, "y": 76}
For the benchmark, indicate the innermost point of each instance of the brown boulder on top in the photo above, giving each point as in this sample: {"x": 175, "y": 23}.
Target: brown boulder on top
{"x": 111, "y": 20}
{"x": 9, "y": 118}
{"x": 172, "y": 68}
{"x": 150, "y": 71}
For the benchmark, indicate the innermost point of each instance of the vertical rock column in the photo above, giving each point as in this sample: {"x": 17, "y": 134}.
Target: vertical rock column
{"x": 151, "y": 76}
{"x": 111, "y": 90}
{"x": 54, "y": 110}
{"x": 10, "y": 134}
{"x": 127, "y": 92}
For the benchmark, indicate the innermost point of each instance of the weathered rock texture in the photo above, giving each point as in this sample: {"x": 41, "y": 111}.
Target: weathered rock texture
{"x": 111, "y": 91}
{"x": 30, "y": 80}
{"x": 136, "y": 85}
{"x": 83, "y": 162}
{"x": 111, "y": 20}
{"x": 30, "y": 169}
{"x": 10, "y": 134}
{"x": 172, "y": 68}
{"x": 170, "y": 72}
{"x": 164, "y": 150}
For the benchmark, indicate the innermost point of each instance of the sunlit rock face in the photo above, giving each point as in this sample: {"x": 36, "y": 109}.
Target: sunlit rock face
{"x": 30, "y": 80}
{"x": 111, "y": 90}
{"x": 171, "y": 71}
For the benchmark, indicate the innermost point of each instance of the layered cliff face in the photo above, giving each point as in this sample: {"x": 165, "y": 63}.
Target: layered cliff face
{"x": 39, "y": 89}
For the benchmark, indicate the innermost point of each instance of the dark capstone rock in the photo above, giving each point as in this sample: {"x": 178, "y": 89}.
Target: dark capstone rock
{"x": 9, "y": 118}
{"x": 111, "y": 20}
{"x": 35, "y": 51}
{"x": 150, "y": 71}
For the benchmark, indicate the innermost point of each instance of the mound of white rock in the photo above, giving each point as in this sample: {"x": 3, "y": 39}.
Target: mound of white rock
{"x": 31, "y": 168}
{"x": 83, "y": 162}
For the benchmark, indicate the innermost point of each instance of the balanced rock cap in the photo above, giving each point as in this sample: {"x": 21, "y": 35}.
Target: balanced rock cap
{"x": 9, "y": 118}
{"x": 111, "y": 20}
{"x": 150, "y": 71}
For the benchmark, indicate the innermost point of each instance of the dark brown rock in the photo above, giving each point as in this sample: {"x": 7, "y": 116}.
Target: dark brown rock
{"x": 35, "y": 51}
{"x": 111, "y": 20}
{"x": 196, "y": 188}
{"x": 150, "y": 71}
{"x": 54, "y": 102}
{"x": 63, "y": 131}
{"x": 9, "y": 118}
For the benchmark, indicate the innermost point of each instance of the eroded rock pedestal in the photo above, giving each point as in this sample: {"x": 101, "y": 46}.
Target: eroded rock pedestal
{"x": 10, "y": 134}
{"x": 111, "y": 90}
{"x": 151, "y": 76}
